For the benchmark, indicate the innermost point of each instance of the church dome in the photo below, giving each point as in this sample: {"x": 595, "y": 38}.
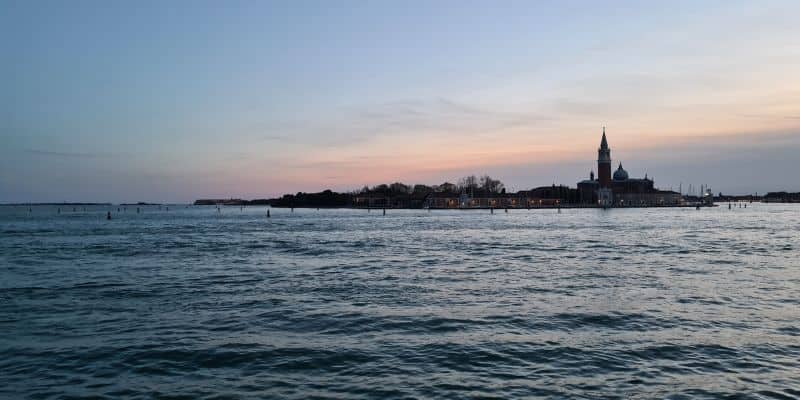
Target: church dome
{"x": 620, "y": 174}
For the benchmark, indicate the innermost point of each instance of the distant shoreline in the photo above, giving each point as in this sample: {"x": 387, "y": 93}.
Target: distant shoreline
{"x": 56, "y": 204}
{"x": 81, "y": 204}
{"x": 245, "y": 203}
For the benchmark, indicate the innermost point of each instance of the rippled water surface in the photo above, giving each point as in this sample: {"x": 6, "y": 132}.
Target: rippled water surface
{"x": 192, "y": 303}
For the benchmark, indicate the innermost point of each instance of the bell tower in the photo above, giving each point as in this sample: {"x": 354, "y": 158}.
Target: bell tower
{"x": 604, "y": 162}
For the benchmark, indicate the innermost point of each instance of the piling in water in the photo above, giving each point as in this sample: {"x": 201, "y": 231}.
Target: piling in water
{"x": 267, "y": 213}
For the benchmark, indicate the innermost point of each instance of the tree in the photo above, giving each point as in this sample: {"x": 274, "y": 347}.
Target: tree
{"x": 468, "y": 183}
{"x": 399, "y": 188}
{"x": 491, "y": 185}
{"x": 422, "y": 189}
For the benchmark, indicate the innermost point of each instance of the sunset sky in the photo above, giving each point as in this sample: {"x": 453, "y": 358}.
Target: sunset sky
{"x": 170, "y": 101}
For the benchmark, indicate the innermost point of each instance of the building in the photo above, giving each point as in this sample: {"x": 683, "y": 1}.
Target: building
{"x": 541, "y": 197}
{"x": 620, "y": 190}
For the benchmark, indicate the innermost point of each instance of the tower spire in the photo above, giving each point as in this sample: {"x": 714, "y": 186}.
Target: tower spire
{"x": 604, "y": 162}
{"x": 603, "y": 141}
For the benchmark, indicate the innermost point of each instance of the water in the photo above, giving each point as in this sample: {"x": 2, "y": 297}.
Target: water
{"x": 192, "y": 303}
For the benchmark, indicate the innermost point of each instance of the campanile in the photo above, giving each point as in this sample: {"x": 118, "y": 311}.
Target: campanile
{"x": 604, "y": 162}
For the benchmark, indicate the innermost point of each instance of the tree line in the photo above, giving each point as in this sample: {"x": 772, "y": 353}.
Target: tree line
{"x": 471, "y": 185}
{"x": 468, "y": 184}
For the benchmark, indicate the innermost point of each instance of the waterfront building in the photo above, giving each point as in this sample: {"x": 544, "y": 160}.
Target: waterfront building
{"x": 619, "y": 189}
{"x": 545, "y": 196}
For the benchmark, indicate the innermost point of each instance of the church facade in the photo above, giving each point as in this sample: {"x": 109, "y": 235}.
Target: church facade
{"x": 620, "y": 190}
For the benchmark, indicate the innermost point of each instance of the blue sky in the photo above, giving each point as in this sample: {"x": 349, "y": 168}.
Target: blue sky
{"x": 128, "y": 101}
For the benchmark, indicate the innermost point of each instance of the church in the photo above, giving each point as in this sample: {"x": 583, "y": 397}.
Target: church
{"x": 620, "y": 190}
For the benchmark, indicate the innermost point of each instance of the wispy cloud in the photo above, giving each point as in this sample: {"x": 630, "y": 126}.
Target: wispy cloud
{"x": 771, "y": 117}
{"x": 362, "y": 124}
{"x": 275, "y": 138}
{"x": 443, "y": 114}
{"x": 65, "y": 154}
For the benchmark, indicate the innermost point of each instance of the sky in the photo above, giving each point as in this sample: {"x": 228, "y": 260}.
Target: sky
{"x": 173, "y": 101}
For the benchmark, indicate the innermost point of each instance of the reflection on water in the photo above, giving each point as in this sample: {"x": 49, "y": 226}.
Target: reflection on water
{"x": 343, "y": 303}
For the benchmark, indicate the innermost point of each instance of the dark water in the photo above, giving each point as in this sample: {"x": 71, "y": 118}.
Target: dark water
{"x": 191, "y": 303}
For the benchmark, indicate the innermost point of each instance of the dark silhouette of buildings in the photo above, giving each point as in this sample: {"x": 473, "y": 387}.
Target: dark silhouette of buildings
{"x": 620, "y": 190}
